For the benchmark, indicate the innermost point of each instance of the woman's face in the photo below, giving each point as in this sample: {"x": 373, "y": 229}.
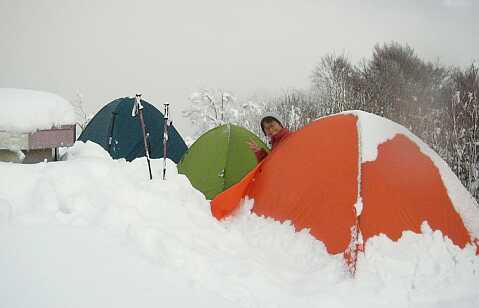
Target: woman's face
{"x": 271, "y": 128}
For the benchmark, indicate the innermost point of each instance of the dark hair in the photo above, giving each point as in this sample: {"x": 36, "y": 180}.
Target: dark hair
{"x": 269, "y": 119}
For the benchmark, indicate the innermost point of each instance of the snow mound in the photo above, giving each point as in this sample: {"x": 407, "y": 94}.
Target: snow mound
{"x": 86, "y": 150}
{"x": 28, "y": 110}
{"x": 94, "y": 232}
{"x": 419, "y": 270}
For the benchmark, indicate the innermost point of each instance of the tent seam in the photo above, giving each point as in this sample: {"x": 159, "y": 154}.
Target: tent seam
{"x": 360, "y": 160}
{"x": 356, "y": 243}
{"x": 114, "y": 113}
{"x": 91, "y": 120}
{"x": 227, "y": 155}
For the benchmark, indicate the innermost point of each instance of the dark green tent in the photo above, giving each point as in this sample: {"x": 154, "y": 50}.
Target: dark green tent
{"x": 219, "y": 159}
{"x": 120, "y": 134}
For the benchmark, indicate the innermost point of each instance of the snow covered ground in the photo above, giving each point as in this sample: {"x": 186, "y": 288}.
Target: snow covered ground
{"x": 94, "y": 232}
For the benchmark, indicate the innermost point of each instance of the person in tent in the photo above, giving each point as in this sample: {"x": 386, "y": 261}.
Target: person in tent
{"x": 274, "y": 131}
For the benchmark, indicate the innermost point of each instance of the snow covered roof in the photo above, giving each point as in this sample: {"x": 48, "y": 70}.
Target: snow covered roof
{"x": 28, "y": 110}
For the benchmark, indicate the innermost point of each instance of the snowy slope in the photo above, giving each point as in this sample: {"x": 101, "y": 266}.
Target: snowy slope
{"x": 94, "y": 232}
{"x": 28, "y": 110}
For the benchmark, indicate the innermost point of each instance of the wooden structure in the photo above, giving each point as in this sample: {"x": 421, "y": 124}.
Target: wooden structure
{"x": 37, "y": 146}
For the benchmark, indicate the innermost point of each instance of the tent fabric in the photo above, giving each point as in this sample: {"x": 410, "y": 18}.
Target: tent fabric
{"x": 414, "y": 191}
{"x": 319, "y": 179}
{"x": 121, "y": 136}
{"x": 225, "y": 203}
{"x": 219, "y": 159}
{"x": 314, "y": 188}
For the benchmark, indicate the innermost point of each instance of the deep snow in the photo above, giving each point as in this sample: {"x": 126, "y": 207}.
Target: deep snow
{"x": 24, "y": 110}
{"x": 94, "y": 232}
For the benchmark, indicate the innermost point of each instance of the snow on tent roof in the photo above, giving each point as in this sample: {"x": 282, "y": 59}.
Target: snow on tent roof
{"x": 28, "y": 110}
{"x": 375, "y": 130}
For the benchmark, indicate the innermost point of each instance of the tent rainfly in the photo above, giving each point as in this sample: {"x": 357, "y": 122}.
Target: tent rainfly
{"x": 351, "y": 176}
{"x": 120, "y": 134}
{"x": 219, "y": 159}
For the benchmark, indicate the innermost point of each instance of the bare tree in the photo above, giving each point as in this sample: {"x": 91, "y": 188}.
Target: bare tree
{"x": 336, "y": 81}
{"x": 399, "y": 84}
{"x": 209, "y": 108}
{"x": 462, "y": 124}
{"x": 295, "y": 107}
{"x": 214, "y": 107}
{"x": 82, "y": 117}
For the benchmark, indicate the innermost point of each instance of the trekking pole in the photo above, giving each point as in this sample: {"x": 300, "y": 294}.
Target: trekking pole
{"x": 138, "y": 109}
{"x": 165, "y": 136}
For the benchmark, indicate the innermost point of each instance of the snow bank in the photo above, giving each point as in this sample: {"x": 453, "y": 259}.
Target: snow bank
{"x": 28, "y": 110}
{"x": 95, "y": 232}
{"x": 419, "y": 270}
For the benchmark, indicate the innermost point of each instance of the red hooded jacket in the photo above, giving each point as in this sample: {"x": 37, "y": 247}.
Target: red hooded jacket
{"x": 275, "y": 140}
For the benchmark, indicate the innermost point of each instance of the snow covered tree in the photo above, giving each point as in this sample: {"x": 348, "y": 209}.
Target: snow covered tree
{"x": 249, "y": 116}
{"x": 214, "y": 107}
{"x": 336, "y": 81}
{"x": 296, "y": 108}
{"x": 461, "y": 126}
{"x": 82, "y": 117}
{"x": 209, "y": 108}
{"x": 399, "y": 84}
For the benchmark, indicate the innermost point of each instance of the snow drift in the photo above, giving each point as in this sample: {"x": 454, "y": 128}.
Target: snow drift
{"x": 95, "y": 232}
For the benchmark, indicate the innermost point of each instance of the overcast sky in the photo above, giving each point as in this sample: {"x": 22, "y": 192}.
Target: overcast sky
{"x": 168, "y": 49}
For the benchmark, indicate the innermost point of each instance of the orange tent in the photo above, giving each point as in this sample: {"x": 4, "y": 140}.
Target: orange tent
{"x": 351, "y": 176}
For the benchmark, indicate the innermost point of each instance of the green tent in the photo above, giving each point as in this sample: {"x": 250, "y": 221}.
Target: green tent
{"x": 120, "y": 134}
{"x": 219, "y": 159}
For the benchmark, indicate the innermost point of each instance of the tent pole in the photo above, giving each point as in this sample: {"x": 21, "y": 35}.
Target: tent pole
{"x": 165, "y": 136}
{"x": 138, "y": 109}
